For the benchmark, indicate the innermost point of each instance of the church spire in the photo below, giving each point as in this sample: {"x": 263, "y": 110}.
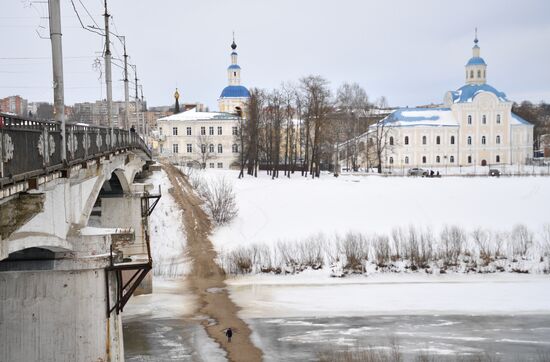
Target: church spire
{"x": 234, "y": 71}
{"x": 476, "y": 68}
{"x": 177, "y": 96}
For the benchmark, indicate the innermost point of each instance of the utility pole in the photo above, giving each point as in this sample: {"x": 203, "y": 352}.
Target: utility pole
{"x": 126, "y": 90}
{"x": 108, "y": 77}
{"x": 143, "y": 121}
{"x": 137, "y": 97}
{"x": 57, "y": 62}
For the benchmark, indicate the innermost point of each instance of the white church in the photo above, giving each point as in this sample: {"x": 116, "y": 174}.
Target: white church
{"x": 475, "y": 126}
{"x": 208, "y": 139}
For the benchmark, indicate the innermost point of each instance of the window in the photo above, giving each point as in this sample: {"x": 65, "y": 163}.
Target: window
{"x": 189, "y": 148}
{"x": 469, "y": 140}
{"x": 211, "y": 165}
{"x": 406, "y": 140}
{"x": 452, "y": 159}
{"x": 423, "y": 159}
{"x": 498, "y": 140}
{"x": 472, "y": 74}
{"x": 160, "y": 131}
{"x": 174, "y": 131}
{"x": 407, "y": 160}
{"x": 203, "y": 148}
{"x": 203, "y": 165}
{"x": 203, "y": 130}
{"x": 391, "y": 141}
{"x": 469, "y": 119}
{"x": 189, "y": 131}
{"x": 391, "y": 160}
{"x": 424, "y": 140}
{"x": 220, "y": 164}
{"x": 235, "y": 148}
{"x": 220, "y": 148}
{"x": 175, "y": 148}
{"x": 498, "y": 158}
{"x": 479, "y": 73}
{"x": 483, "y": 140}
{"x": 437, "y": 159}
{"x": 438, "y": 140}
{"x": 469, "y": 159}
{"x": 211, "y": 131}
{"x": 234, "y": 131}
{"x": 219, "y": 131}
{"x": 211, "y": 148}
{"x": 498, "y": 118}
{"x": 484, "y": 119}
{"x": 234, "y": 74}
{"x": 452, "y": 140}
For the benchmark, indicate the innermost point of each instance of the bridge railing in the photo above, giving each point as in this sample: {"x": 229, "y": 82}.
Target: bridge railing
{"x": 29, "y": 148}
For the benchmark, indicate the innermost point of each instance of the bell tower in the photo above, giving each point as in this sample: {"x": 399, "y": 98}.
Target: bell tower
{"x": 476, "y": 68}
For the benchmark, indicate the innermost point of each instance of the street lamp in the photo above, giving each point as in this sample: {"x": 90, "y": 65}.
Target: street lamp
{"x": 445, "y": 158}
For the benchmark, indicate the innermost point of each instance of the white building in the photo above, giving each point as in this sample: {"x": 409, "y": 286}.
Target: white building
{"x": 208, "y": 139}
{"x": 475, "y": 126}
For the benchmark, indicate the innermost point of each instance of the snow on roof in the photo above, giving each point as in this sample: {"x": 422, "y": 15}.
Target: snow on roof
{"x": 466, "y": 93}
{"x": 193, "y": 115}
{"x": 517, "y": 120}
{"x": 407, "y": 117}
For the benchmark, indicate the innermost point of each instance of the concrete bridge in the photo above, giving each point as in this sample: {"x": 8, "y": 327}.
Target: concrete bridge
{"x": 74, "y": 241}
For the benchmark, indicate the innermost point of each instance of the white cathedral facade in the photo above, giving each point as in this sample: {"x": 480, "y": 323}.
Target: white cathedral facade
{"x": 475, "y": 126}
{"x": 208, "y": 139}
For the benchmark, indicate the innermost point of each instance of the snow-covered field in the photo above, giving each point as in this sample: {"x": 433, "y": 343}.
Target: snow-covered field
{"x": 297, "y": 208}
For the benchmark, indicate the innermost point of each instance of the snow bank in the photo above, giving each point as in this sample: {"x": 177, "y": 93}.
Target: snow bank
{"x": 168, "y": 239}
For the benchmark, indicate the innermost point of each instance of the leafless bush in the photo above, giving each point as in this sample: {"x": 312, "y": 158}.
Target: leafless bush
{"x": 545, "y": 240}
{"x": 239, "y": 261}
{"x": 399, "y": 240}
{"x": 452, "y": 243}
{"x": 482, "y": 239}
{"x": 382, "y": 250}
{"x": 390, "y": 353}
{"x": 355, "y": 248}
{"x": 521, "y": 240}
{"x": 220, "y": 201}
{"x": 427, "y": 242}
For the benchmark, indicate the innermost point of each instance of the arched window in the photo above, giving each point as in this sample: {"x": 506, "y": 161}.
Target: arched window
{"x": 391, "y": 160}
{"x": 498, "y": 118}
{"x": 498, "y": 140}
{"x": 498, "y": 158}
{"x": 423, "y": 159}
{"x": 437, "y": 159}
{"x": 452, "y": 140}
{"x": 235, "y": 148}
{"x": 469, "y": 159}
{"x": 211, "y": 148}
{"x": 479, "y": 73}
{"x": 391, "y": 141}
{"x": 469, "y": 119}
{"x": 407, "y": 160}
{"x": 406, "y": 140}
{"x": 472, "y": 74}
{"x": 469, "y": 140}
{"x": 203, "y": 148}
{"x": 484, "y": 119}
{"x": 220, "y": 148}
{"x": 438, "y": 140}
{"x": 483, "y": 140}
{"x": 452, "y": 159}
{"x": 424, "y": 140}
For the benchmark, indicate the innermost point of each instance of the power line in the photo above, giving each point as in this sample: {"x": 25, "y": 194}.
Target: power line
{"x": 87, "y": 28}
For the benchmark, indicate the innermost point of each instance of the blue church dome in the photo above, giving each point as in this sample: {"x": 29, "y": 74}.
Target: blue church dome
{"x": 233, "y": 66}
{"x": 235, "y": 91}
{"x": 476, "y": 61}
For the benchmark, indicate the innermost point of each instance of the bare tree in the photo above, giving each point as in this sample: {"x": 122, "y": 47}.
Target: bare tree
{"x": 206, "y": 151}
{"x": 317, "y": 105}
{"x": 380, "y": 133}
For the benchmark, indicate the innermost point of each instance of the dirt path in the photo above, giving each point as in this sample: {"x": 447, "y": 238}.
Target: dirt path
{"x": 207, "y": 279}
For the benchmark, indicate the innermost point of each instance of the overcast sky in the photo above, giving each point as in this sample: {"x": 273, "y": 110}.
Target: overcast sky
{"x": 409, "y": 51}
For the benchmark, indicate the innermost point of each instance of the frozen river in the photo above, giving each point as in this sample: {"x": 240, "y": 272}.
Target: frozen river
{"x": 506, "y": 316}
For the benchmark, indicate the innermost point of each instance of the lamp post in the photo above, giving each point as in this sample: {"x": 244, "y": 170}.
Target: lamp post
{"x": 445, "y": 158}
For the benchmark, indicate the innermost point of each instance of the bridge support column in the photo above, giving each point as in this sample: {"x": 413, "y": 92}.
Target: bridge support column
{"x": 55, "y": 309}
{"x": 129, "y": 211}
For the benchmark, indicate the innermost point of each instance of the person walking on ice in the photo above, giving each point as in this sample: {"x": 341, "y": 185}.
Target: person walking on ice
{"x": 229, "y": 334}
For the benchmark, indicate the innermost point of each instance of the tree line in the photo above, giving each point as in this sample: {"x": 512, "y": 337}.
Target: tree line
{"x": 296, "y": 127}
